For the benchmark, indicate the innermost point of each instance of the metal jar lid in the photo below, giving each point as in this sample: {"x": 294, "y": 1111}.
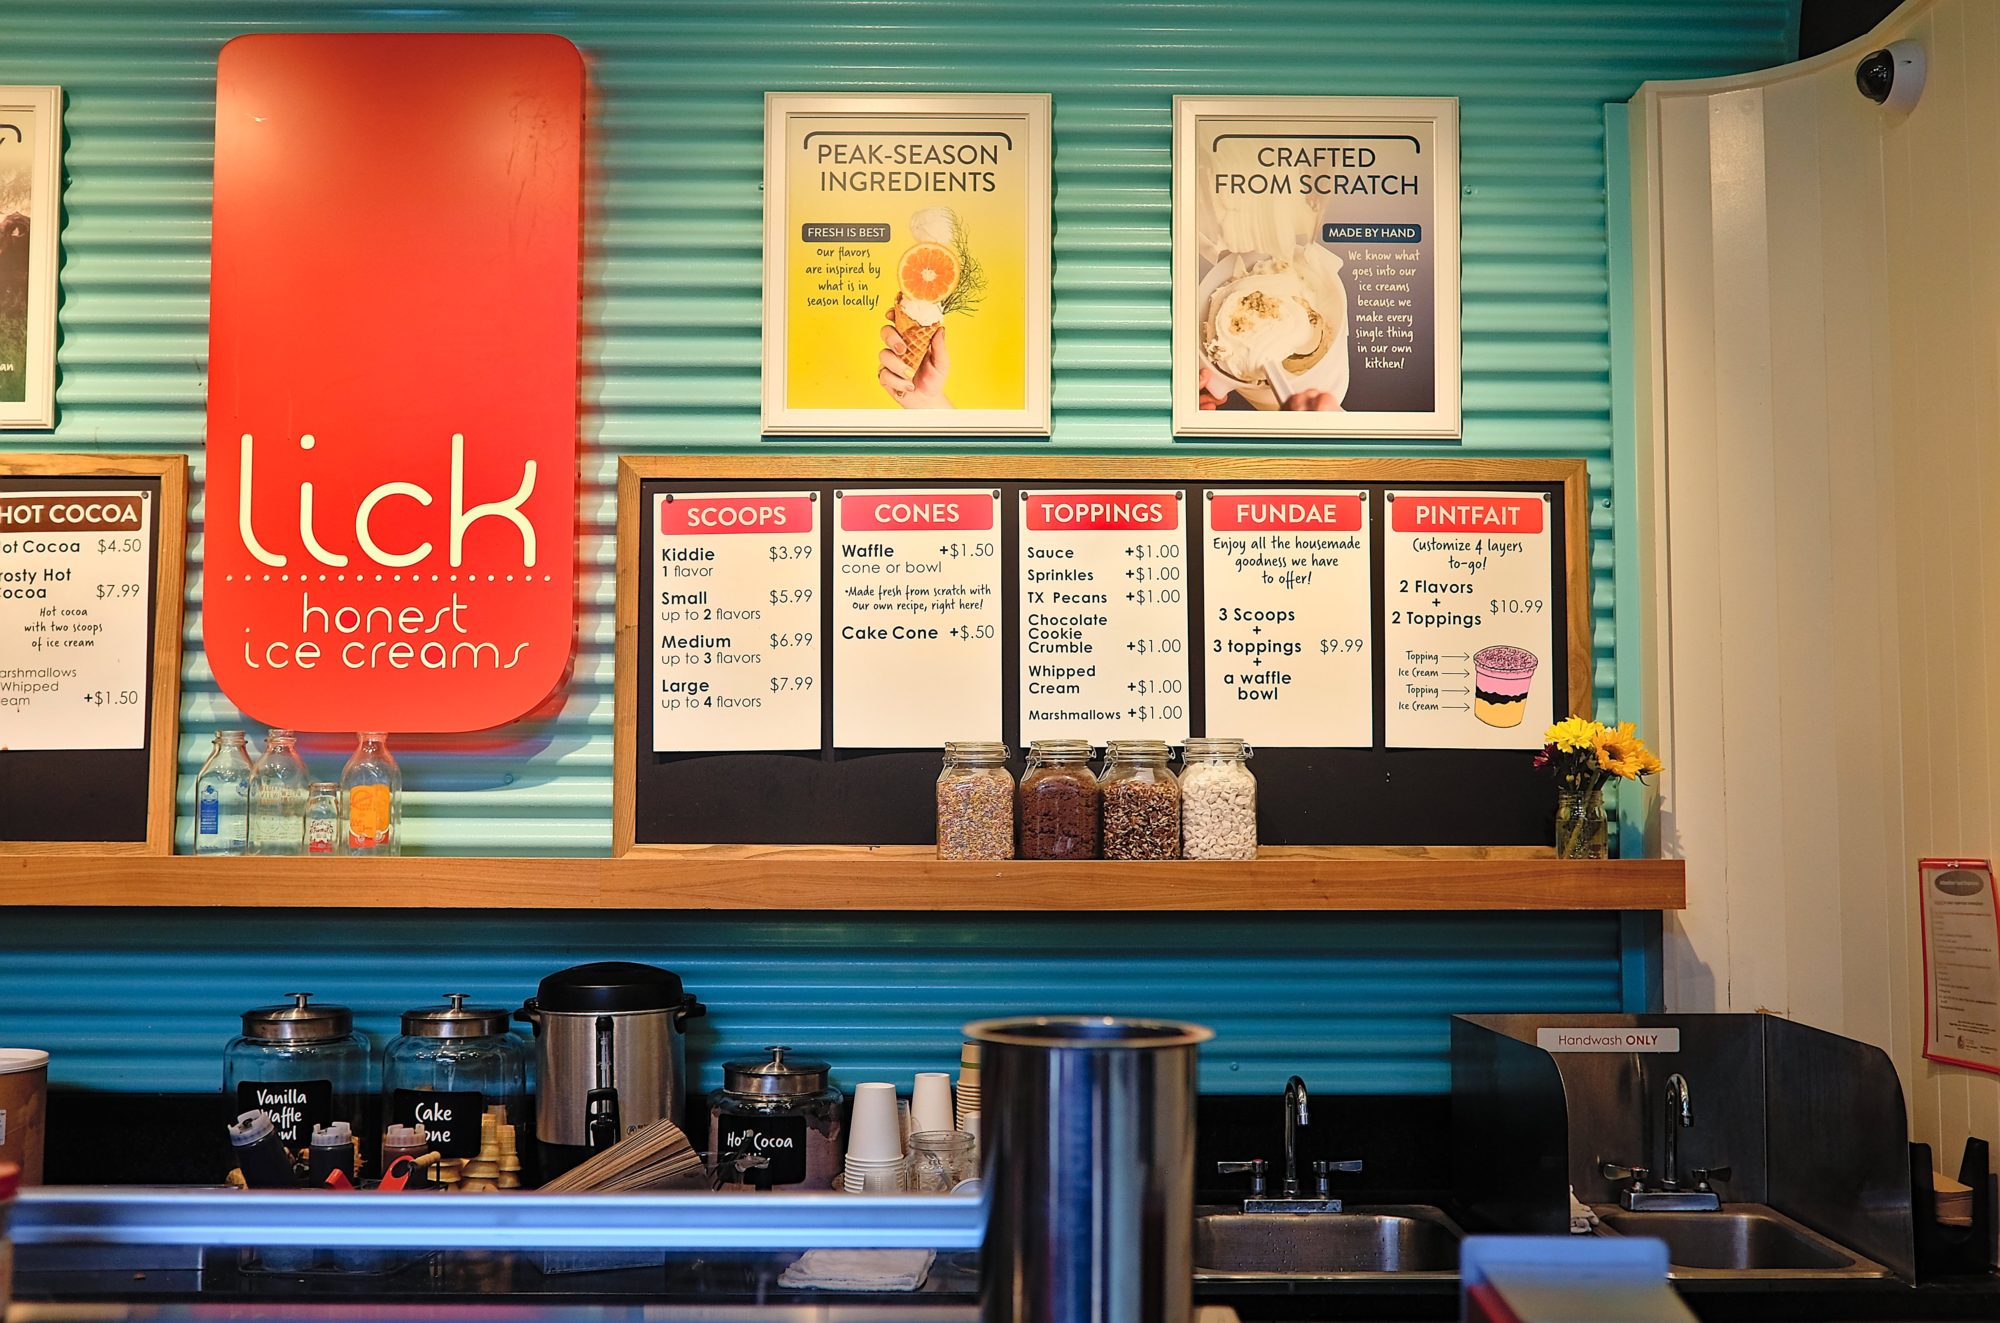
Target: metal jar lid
{"x": 780, "y": 1077}
{"x": 456, "y": 1020}
{"x": 297, "y": 1023}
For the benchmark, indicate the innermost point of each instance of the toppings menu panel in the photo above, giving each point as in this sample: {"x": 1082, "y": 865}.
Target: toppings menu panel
{"x": 1466, "y": 627}
{"x": 735, "y": 621}
{"x": 1104, "y": 615}
{"x": 917, "y": 617}
{"x": 1289, "y": 660}
{"x": 75, "y": 590}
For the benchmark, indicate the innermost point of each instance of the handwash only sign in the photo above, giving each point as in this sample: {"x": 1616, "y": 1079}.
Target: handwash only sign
{"x": 1599, "y": 1038}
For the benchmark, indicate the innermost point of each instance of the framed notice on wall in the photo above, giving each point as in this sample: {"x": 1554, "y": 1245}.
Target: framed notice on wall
{"x": 1961, "y": 929}
{"x": 1316, "y": 265}
{"x": 91, "y": 564}
{"x": 30, "y": 217}
{"x": 906, "y": 264}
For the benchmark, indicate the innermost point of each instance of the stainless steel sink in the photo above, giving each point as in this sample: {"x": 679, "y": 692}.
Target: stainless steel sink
{"x": 1405, "y": 1239}
{"x": 1740, "y": 1240}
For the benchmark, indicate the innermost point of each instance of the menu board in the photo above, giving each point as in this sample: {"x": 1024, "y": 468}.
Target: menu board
{"x": 1104, "y": 615}
{"x": 1287, "y": 592}
{"x": 735, "y": 607}
{"x": 1467, "y": 582}
{"x": 90, "y": 630}
{"x": 1387, "y": 635}
{"x": 916, "y": 618}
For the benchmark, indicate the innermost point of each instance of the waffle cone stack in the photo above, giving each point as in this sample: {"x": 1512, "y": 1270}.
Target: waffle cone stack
{"x": 916, "y": 336}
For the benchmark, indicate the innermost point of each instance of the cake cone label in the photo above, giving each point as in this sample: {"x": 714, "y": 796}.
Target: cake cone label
{"x": 1471, "y": 629}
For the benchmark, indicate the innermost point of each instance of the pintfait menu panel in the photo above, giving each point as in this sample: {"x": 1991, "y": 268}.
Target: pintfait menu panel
{"x": 1313, "y": 608}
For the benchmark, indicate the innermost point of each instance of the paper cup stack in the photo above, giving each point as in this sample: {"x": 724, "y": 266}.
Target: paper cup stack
{"x": 967, "y": 1118}
{"x": 875, "y": 1143}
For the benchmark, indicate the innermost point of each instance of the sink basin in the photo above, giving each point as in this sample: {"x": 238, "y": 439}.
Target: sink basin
{"x": 1404, "y": 1239}
{"x": 1741, "y": 1239}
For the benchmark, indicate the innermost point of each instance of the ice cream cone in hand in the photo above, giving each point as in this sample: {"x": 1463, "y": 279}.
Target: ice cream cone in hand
{"x": 916, "y": 335}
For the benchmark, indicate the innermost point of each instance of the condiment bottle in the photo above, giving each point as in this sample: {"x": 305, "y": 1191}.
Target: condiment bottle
{"x": 447, "y": 1067}
{"x": 975, "y": 802}
{"x": 324, "y": 835}
{"x": 302, "y": 1063}
{"x": 1059, "y": 800}
{"x": 1142, "y": 801}
{"x": 222, "y": 797}
{"x": 1218, "y": 800}
{"x": 781, "y": 1110}
{"x": 371, "y": 796}
{"x": 278, "y": 787}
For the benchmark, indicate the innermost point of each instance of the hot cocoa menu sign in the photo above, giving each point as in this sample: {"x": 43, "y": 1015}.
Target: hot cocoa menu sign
{"x": 392, "y": 404}
{"x": 1316, "y": 267}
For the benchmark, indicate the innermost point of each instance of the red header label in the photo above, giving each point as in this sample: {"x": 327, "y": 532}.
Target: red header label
{"x": 392, "y": 399}
{"x": 1302, "y": 512}
{"x": 889, "y": 512}
{"x": 702, "y": 516}
{"x": 1090, "y": 512}
{"x": 1499, "y": 515}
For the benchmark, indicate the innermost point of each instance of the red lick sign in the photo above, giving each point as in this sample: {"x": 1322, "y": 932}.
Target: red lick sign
{"x": 392, "y": 410}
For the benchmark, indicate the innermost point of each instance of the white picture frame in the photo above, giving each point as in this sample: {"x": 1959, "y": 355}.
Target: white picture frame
{"x": 30, "y": 224}
{"x": 1223, "y": 221}
{"x": 1012, "y": 123}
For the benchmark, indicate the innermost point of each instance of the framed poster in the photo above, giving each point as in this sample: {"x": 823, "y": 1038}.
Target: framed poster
{"x": 30, "y": 216}
{"x": 1961, "y": 933}
{"x": 1316, "y": 260}
{"x": 906, "y": 264}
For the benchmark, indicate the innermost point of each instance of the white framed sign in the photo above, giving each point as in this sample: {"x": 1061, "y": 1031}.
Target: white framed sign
{"x": 30, "y": 218}
{"x": 906, "y": 264}
{"x": 1316, "y": 267}
{"x": 1960, "y": 918}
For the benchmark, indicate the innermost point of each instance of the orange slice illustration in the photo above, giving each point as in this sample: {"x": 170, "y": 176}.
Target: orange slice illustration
{"x": 928, "y": 271}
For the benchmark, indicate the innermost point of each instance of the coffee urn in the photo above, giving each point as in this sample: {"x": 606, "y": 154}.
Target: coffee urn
{"x": 611, "y": 1055}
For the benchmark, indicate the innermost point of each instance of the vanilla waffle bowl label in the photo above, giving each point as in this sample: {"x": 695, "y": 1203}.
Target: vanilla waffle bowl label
{"x": 1316, "y": 267}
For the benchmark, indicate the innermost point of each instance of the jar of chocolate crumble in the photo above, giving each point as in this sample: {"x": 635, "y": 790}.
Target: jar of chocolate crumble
{"x": 1059, "y": 801}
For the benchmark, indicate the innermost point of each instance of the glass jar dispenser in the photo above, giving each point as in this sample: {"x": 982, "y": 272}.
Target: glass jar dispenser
{"x": 305, "y": 1065}
{"x": 448, "y": 1066}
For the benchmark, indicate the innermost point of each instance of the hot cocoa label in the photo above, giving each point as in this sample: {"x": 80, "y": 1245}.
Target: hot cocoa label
{"x": 295, "y": 1106}
{"x": 450, "y": 1119}
{"x": 779, "y": 1140}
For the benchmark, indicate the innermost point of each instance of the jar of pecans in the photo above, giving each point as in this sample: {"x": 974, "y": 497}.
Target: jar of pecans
{"x": 975, "y": 802}
{"x": 1218, "y": 800}
{"x": 1059, "y": 801}
{"x": 1142, "y": 801}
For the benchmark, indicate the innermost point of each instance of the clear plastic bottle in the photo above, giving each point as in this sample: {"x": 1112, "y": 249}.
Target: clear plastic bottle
{"x": 278, "y": 787}
{"x": 371, "y": 797}
{"x": 323, "y": 835}
{"x": 222, "y": 797}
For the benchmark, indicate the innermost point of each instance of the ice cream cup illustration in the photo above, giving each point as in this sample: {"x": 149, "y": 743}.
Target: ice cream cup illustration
{"x": 1501, "y": 678}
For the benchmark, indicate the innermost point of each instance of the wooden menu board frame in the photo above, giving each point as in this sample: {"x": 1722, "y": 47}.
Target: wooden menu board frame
{"x": 169, "y": 572}
{"x": 1571, "y": 476}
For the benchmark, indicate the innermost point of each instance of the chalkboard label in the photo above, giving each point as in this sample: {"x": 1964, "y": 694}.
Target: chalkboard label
{"x": 779, "y": 1140}
{"x": 296, "y": 1106}
{"x": 450, "y": 1120}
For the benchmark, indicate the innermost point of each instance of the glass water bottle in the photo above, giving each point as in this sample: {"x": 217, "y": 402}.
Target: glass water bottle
{"x": 278, "y": 787}
{"x": 324, "y": 836}
{"x": 371, "y": 797}
{"x": 222, "y": 797}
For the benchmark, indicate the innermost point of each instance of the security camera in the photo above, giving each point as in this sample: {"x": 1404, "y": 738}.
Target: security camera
{"x": 1892, "y": 77}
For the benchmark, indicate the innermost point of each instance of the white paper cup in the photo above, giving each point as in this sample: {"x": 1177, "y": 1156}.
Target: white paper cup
{"x": 875, "y": 1133}
{"x": 888, "y": 1179}
{"x": 930, "y": 1103}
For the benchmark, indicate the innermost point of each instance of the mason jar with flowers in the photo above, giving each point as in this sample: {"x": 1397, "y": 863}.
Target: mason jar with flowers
{"x": 1585, "y": 756}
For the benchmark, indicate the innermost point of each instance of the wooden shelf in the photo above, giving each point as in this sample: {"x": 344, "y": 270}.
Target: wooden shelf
{"x": 753, "y": 878}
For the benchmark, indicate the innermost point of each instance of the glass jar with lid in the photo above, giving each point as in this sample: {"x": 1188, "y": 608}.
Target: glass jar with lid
{"x": 1218, "y": 799}
{"x": 1142, "y": 801}
{"x": 1059, "y": 801}
{"x": 304, "y": 1064}
{"x": 448, "y": 1066}
{"x": 975, "y": 802}
{"x": 781, "y": 1110}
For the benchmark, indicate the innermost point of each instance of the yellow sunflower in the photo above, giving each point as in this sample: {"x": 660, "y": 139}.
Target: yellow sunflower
{"x": 1573, "y": 734}
{"x": 1620, "y": 751}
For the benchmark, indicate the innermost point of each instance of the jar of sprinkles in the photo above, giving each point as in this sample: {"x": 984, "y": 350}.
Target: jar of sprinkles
{"x": 975, "y": 802}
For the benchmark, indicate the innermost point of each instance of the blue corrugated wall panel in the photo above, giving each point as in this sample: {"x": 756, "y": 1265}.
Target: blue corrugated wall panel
{"x": 671, "y": 347}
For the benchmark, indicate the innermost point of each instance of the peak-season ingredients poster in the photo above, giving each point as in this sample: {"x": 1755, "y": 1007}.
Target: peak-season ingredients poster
{"x": 1316, "y": 263}
{"x": 906, "y": 264}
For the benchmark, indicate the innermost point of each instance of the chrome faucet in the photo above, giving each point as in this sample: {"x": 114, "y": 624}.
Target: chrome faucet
{"x": 1680, "y": 1115}
{"x": 1669, "y": 1196}
{"x": 1295, "y": 1116}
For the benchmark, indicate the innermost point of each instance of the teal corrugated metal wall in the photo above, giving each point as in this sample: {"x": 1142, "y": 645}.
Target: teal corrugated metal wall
{"x": 672, "y": 322}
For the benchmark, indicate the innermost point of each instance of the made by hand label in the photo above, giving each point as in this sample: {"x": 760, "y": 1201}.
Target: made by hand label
{"x": 1596, "y": 1038}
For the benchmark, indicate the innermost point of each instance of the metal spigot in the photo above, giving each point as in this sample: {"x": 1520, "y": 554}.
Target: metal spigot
{"x": 1295, "y": 1116}
{"x": 1680, "y": 1108}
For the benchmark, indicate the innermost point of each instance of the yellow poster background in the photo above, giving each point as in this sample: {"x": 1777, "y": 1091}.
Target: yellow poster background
{"x": 838, "y": 293}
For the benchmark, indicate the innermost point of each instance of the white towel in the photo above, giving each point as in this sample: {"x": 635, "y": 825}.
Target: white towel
{"x": 1581, "y": 1219}
{"x": 859, "y": 1270}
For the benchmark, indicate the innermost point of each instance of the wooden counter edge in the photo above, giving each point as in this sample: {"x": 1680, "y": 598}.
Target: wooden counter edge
{"x": 855, "y": 881}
